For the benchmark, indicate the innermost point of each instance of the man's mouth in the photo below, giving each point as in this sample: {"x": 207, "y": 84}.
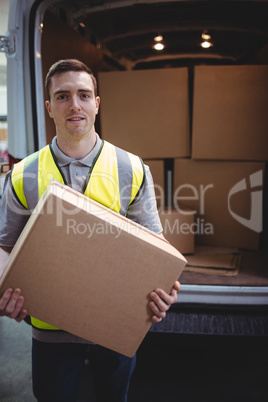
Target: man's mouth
{"x": 76, "y": 119}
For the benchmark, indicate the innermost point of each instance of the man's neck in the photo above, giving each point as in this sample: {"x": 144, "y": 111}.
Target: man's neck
{"x": 78, "y": 148}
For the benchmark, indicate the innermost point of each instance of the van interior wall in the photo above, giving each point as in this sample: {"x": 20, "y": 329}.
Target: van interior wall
{"x": 58, "y": 42}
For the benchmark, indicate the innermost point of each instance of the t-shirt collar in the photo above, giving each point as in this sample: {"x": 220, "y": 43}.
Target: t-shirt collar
{"x": 64, "y": 160}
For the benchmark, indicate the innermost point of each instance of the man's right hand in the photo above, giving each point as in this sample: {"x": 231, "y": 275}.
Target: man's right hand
{"x": 11, "y": 305}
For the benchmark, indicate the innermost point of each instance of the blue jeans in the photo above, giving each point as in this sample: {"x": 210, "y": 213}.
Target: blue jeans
{"x": 57, "y": 369}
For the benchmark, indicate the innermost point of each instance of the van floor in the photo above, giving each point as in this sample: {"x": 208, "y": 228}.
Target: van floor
{"x": 253, "y": 271}
{"x": 170, "y": 368}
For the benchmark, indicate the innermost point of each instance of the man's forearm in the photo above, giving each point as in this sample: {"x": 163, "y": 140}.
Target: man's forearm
{"x": 4, "y": 254}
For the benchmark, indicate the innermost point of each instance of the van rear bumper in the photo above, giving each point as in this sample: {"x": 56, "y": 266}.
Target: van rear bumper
{"x": 223, "y": 295}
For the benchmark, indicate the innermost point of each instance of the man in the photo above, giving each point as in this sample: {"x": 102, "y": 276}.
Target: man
{"x": 73, "y": 156}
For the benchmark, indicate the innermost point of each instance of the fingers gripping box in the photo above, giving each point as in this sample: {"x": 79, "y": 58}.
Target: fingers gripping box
{"x": 89, "y": 271}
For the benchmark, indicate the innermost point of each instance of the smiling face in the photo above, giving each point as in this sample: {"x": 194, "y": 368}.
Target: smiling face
{"x": 73, "y": 105}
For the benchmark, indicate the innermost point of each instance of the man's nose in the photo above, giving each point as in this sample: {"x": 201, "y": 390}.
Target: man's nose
{"x": 75, "y": 105}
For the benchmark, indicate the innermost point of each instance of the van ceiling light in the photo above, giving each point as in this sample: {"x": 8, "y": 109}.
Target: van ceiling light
{"x": 82, "y": 24}
{"x": 158, "y": 38}
{"x": 206, "y": 44}
{"x": 205, "y": 35}
{"x": 158, "y": 46}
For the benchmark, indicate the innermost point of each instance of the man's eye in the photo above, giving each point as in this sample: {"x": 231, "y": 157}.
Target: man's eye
{"x": 62, "y": 97}
{"x": 85, "y": 96}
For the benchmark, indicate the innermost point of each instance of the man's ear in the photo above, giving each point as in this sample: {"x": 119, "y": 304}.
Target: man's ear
{"x": 97, "y": 104}
{"x": 47, "y": 103}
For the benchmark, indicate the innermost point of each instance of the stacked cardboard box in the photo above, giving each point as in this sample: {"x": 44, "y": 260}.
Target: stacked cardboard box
{"x": 230, "y": 119}
{"x": 179, "y": 228}
{"x": 220, "y": 192}
{"x": 146, "y": 112}
{"x": 178, "y": 224}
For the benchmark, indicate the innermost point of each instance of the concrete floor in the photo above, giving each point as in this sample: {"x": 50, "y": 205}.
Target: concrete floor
{"x": 170, "y": 368}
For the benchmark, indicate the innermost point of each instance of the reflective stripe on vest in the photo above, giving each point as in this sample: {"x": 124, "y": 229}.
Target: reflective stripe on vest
{"x": 114, "y": 180}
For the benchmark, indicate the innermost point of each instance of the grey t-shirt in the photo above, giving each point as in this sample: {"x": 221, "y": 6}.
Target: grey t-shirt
{"x": 13, "y": 216}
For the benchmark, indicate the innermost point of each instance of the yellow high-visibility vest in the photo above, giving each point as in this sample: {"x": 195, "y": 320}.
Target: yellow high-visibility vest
{"x": 114, "y": 180}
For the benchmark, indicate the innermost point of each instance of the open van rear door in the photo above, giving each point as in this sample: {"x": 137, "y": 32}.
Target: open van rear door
{"x": 26, "y": 132}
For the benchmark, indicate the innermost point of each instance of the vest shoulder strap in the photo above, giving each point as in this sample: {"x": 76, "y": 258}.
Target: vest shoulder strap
{"x": 22, "y": 176}
{"x": 31, "y": 176}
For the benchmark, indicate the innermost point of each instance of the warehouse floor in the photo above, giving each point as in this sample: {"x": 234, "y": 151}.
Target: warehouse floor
{"x": 170, "y": 368}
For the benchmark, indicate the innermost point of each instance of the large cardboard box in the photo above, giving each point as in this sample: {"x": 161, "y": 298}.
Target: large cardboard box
{"x": 227, "y": 198}
{"x": 89, "y": 271}
{"x": 230, "y": 119}
{"x": 146, "y": 112}
{"x": 178, "y": 228}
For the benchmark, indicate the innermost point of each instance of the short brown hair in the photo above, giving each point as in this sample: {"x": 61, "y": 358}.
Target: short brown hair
{"x": 63, "y": 66}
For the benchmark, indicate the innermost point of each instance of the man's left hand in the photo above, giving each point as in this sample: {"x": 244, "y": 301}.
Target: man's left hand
{"x": 161, "y": 301}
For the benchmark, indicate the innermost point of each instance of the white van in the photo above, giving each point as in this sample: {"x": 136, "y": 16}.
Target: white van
{"x": 195, "y": 110}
